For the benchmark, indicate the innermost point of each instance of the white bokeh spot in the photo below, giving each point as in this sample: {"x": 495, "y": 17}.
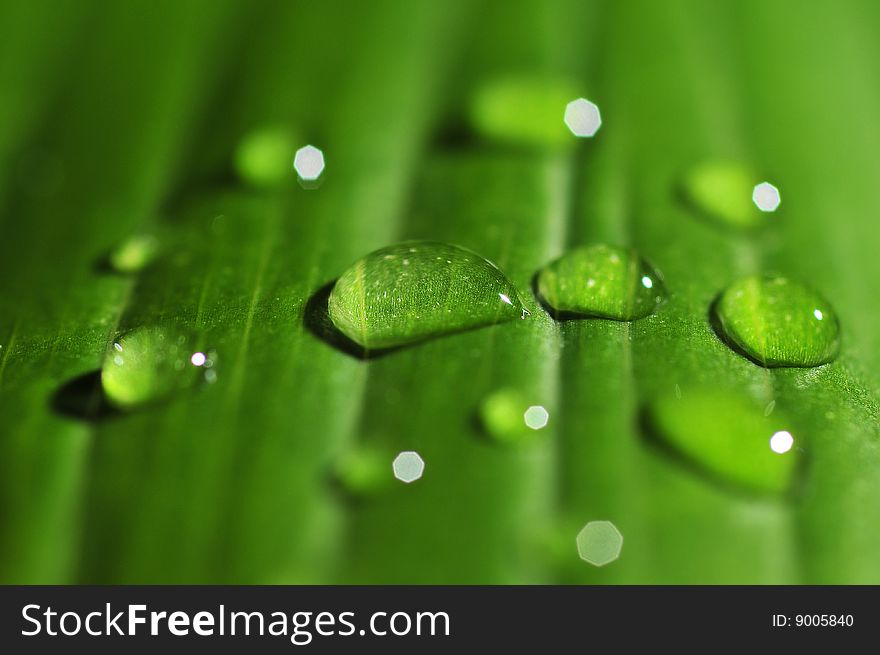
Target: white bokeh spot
{"x": 582, "y": 117}
{"x": 781, "y": 442}
{"x": 408, "y": 466}
{"x": 308, "y": 163}
{"x": 766, "y": 197}
{"x": 536, "y": 417}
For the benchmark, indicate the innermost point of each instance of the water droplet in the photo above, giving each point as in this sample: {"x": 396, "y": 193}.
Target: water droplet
{"x": 766, "y": 197}
{"x": 601, "y": 281}
{"x": 263, "y": 156}
{"x": 582, "y": 117}
{"x": 505, "y": 416}
{"x": 363, "y": 471}
{"x": 308, "y": 163}
{"x": 727, "y": 436}
{"x": 599, "y": 543}
{"x": 147, "y": 364}
{"x": 135, "y": 253}
{"x": 777, "y": 322}
{"x": 380, "y": 303}
{"x": 408, "y": 466}
{"x": 722, "y": 191}
{"x": 523, "y": 111}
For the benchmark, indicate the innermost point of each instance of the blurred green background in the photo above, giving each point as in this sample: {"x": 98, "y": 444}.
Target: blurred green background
{"x": 123, "y": 118}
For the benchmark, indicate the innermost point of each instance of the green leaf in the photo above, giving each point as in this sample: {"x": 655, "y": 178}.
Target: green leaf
{"x": 126, "y": 120}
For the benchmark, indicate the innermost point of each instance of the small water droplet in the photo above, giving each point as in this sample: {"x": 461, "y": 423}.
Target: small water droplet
{"x": 722, "y": 191}
{"x": 134, "y": 254}
{"x": 144, "y": 365}
{"x": 523, "y": 110}
{"x": 363, "y": 471}
{"x": 778, "y": 322}
{"x": 601, "y": 281}
{"x": 507, "y": 417}
{"x": 263, "y": 156}
{"x": 309, "y": 163}
{"x": 478, "y": 294}
{"x": 599, "y": 543}
{"x": 408, "y": 466}
{"x": 727, "y": 436}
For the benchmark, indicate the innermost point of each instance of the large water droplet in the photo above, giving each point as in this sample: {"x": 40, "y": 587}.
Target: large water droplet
{"x": 777, "y": 322}
{"x": 524, "y": 111}
{"x": 729, "y": 437}
{"x": 135, "y": 253}
{"x": 148, "y": 364}
{"x": 601, "y": 281}
{"x": 263, "y": 156}
{"x": 722, "y": 191}
{"x": 412, "y": 291}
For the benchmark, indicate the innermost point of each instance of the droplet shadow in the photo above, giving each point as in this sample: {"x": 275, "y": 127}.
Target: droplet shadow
{"x": 317, "y": 321}
{"x": 82, "y": 398}
{"x": 715, "y": 323}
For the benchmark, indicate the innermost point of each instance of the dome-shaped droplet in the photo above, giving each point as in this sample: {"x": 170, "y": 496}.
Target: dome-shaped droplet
{"x": 525, "y": 111}
{"x": 148, "y": 364}
{"x": 416, "y": 290}
{"x": 601, "y": 281}
{"x": 778, "y": 322}
{"x": 723, "y": 191}
{"x": 726, "y": 435}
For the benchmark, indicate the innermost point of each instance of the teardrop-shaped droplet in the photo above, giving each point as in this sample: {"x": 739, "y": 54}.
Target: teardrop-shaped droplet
{"x": 601, "y": 281}
{"x": 412, "y": 291}
{"x": 134, "y": 254}
{"x": 729, "y": 437}
{"x": 508, "y": 418}
{"x": 777, "y": 322}
{"x": 524, "y": 111}
{"x": 263, "y": 156}
{"x": 722, "y": 191}
{"x": 148, "y": 364}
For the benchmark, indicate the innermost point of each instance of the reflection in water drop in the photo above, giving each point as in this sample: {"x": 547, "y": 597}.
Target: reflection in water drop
{"x": 725, "y": 435}
{"x": 599, "y": 543}
{"x": 408, "y": 466}
{"x": 766, "y": 197}
{"x": 778, "y": 322}
{"x": 145, "y": 365}
{"x": 582, "y": 117}
{"x": 601, "y": 281}
{"x": 198, "y": 359}
{"x": 416, "y": 290}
